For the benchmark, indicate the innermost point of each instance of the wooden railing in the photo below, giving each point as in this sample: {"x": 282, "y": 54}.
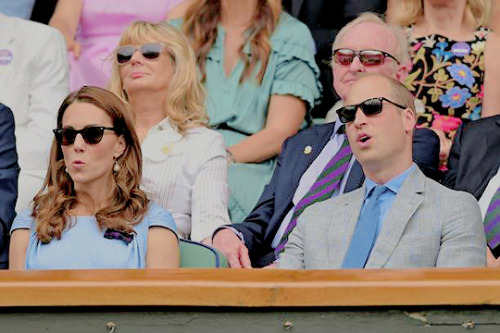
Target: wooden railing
{"x": 250, "y": 288}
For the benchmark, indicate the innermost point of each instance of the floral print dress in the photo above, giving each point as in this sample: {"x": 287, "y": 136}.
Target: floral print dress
{"x": 447, "y": 76}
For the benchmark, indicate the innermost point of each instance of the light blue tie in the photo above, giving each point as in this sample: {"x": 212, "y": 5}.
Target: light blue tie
{"x": 365, "y": 234}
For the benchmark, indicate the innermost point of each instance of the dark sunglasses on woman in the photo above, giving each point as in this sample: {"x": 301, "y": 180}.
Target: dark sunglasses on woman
{"x": 149, "y": 51}
{"x": 90, "y": 134}
{"x": 367, "y": 57}
{"x": 369, "y": 107}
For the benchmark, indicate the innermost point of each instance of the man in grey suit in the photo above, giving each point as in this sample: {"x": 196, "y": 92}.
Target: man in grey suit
{"x": 399, "y": 218}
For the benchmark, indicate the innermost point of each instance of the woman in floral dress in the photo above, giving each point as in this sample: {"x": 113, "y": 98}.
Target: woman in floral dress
{"x": 447, "y": 46}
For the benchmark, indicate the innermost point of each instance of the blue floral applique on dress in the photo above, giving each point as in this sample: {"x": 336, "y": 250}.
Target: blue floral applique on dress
{"x": 447, "y": 76}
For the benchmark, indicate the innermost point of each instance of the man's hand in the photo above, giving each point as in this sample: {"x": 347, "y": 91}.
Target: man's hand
{"x": 492, "y": 262}
{"x": 232, "y": 247}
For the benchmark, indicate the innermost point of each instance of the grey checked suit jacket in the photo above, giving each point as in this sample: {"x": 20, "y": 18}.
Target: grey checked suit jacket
{"x": 428, "y": 225}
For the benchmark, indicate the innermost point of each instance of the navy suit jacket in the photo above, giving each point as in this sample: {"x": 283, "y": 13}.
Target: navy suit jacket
{"x": 260, "y": 227}
{"x": 474, "y": 156}
{"x": 9, "y": 173}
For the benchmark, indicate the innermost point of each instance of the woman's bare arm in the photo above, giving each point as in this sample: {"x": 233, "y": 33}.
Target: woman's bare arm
{"x": 18, "y": 246}
{"x": 285, "y": 115}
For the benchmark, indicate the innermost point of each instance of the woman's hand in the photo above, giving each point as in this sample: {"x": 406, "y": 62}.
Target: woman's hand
{"x": 66, "y": 18}
{"x": 75, "y": 47}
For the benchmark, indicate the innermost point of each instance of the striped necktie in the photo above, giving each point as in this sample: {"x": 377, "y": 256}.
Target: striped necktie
{"x": 327, "y": 182}
{"x": 492, "y": 221}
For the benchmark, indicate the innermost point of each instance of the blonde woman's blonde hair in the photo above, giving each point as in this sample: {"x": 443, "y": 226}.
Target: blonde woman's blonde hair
{"x": 407, "y": 12}
{"x": 402, "y": 47}
{"x": 185, "y": 95}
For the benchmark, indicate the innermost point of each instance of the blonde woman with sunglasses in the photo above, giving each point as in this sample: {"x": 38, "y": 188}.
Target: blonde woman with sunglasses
{"x": 91, "y": 212}
{"x": 185, "y": 167}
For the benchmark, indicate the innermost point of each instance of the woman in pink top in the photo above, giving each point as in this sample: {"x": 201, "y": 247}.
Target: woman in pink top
{"x": 92, "y": 29}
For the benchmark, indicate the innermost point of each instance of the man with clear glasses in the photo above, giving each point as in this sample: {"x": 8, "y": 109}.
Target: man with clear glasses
{"x": 316, "y": 164}
{"x": 398, "y": 218}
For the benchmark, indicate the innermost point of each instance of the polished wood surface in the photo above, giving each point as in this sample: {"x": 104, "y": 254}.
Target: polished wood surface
{"x": 250, "y": 288}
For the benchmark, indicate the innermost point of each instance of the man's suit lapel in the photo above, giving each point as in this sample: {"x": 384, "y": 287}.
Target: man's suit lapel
{"x": 487, "y": 162}
{"x": 344, "y": 217}
{"x": 307, "y": 150}
{"x": 405, "y": 204}
{"x": 482, "y": 169}
{"x": 481, "y": 140}
{"x": 355, "y": 179}
{"x": 297, "y": 161}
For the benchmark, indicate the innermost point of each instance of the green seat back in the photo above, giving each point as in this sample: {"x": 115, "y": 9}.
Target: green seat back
{"x": 198, "y": 255}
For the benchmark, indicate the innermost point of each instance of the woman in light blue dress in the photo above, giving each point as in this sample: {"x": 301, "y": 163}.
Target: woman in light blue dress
{"x": 91, "y": 212}
{"x": 258, "y": 67}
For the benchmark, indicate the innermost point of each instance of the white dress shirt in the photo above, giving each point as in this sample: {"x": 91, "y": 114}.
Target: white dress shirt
{"x": 188, "y": 176}
{"x": 33, "y": 84}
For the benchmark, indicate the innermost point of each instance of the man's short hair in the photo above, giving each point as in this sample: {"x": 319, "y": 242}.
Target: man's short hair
{"x": 399, "y": 93}
{"x": 402, "y": 47}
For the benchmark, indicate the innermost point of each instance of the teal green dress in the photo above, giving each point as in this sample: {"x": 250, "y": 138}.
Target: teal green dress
{"x": 238, "y": 110}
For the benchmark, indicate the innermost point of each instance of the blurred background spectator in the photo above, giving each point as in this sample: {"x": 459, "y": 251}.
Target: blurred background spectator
{"x": 387, "y": 54}
{"x": 325, "y": 18}
{"x": 9, "y": 173}
{"x": 259, "y": 70}
{"x": 447, "y": 41}
{"x": 17, "y": 8}
{"x": 184, "y": 163}
{"x": 474, "y": 168}
{"x": 92, "y": 29}
{"x": 491, "y": 98}
{"x": 33, "y": 83}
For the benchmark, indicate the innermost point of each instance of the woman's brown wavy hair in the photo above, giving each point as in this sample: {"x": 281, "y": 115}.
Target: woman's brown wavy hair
{"x": 200, "y": 25}
{"x": 127, "y": 202}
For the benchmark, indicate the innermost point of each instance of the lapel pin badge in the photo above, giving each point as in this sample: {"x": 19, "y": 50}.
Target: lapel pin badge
{"x": 308, "y": 150}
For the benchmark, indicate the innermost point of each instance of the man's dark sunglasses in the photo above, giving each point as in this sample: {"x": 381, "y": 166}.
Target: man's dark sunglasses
{"x": 369, "y": 107}
{"x": 367, "y": 57}
{"x": 90, "y": 134}
{"x": 149, "y": 51}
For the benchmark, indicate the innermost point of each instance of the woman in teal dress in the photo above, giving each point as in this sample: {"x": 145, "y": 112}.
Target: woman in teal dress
{"x": 91, "y": 212}
{"x": 258, "y": 67}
